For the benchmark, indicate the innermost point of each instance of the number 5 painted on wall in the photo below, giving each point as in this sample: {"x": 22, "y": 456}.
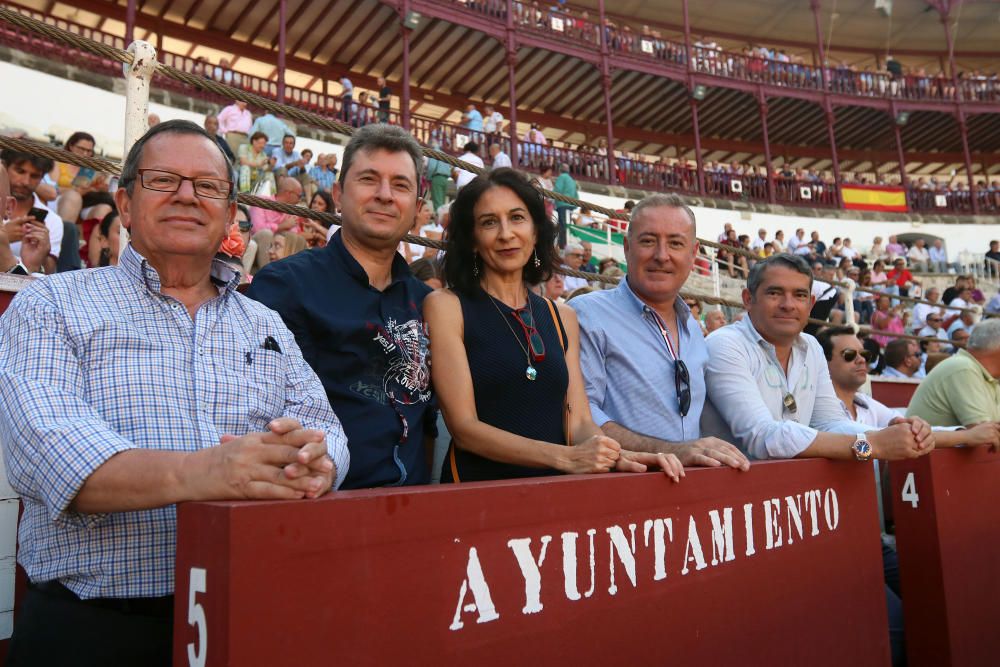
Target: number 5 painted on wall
{"x": 196, "y": 617}
{"x": 910, "y": 491}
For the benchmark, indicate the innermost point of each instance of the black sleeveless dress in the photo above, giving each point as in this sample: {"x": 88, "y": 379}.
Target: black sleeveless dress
{"x": 505, "y": 397}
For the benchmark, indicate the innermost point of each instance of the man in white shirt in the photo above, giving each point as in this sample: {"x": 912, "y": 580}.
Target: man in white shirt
{"x": 498, "y": 158}
{"x": 757, "y": 245}
{"x": 918, "y": 256}
{"x": 922, "y": 311}
{"x": 848, "y": 250}
{"x": 933, "y": 328}
{"x": 25, "y": 172}
{"x": 471, "y": 155}
{"x": 492, "y": 120}
{"x": 769, "y": 389}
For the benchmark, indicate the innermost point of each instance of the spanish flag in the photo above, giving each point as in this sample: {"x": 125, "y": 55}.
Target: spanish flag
{"x": 874, "y": 198}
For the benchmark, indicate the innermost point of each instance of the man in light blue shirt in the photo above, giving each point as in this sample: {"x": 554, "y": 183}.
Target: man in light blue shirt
{"x": 275, "y": 129}
{"x": 642, "y": 352}
{"x": 769, "y": 387}
{"x": 473, "y": 120}
{"x": 939, "y": 257}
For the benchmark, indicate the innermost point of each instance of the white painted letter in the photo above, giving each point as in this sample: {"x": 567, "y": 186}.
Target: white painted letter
{"x": 693, "y": 552}
{"x": 748, "y": 521}
{"x": 793, "y": 511}
{"x": 483, "y": 602}
{"x": 659, "y": 544}
{"x": 772, "y": 523}
{"x": 722, "y": 535}
{"x": 812, "y": 505}
{"x": 531, "y": 571}
{"x": 831, "y": 507}
{"x": 626, "y": 554}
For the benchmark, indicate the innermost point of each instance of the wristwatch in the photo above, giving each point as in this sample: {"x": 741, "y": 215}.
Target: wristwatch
{"x": 862, "y": 448}
{"x": 19, "y": 270}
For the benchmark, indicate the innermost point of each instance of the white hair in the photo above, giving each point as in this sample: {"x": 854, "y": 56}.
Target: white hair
{"x": 572, "y": 247}
{"x": 985, "y": 337}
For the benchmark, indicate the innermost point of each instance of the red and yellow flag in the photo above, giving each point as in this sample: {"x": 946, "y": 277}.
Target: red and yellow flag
{"x": 874, "y": 198}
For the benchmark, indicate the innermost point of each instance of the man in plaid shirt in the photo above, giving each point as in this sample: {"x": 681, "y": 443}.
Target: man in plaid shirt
{"x": 125, "y": 390}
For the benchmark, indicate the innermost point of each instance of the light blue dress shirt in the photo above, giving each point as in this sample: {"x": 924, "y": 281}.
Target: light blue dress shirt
{"x": 627, "y": 369}
{"x": 747, "y": 388}
{"x": 97, "y": 362}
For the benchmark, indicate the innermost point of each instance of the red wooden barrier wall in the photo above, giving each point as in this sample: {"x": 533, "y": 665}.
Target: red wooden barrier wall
{"x": 948, "y": 533}
{"x": 894, "y": 393}
{"x": 614, "y": 569}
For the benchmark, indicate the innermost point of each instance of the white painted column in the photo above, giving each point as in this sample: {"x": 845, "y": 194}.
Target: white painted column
{"x": 138, "y": 81}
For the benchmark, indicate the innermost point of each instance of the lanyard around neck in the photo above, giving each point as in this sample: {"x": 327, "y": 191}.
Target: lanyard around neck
{"x": 662, "y": 326}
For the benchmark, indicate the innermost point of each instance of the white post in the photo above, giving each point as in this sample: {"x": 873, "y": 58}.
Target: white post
{"x": 849, "y": 304}
{"x": 138, "y": 80}
{"x": 716, "y": 279}
{"x": 607, "y": 227}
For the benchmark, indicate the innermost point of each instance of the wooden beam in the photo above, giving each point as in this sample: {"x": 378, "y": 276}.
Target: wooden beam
{"x": 445, "y": 49}
{"x": 337, "y": 25}
{"x": 260, "y": 26}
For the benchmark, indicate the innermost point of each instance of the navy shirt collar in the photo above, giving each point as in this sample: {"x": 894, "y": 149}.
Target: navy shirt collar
{"x": 336, "y": 247}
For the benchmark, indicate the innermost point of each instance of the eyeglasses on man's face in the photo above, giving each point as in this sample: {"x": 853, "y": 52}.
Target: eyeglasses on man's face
{"x": 167, "y": 181}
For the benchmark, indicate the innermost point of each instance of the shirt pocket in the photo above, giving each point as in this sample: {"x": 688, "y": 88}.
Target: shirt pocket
{"x": 265, "y": 375}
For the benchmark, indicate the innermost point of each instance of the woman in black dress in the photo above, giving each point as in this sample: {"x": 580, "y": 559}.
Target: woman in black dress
{"x": 505, "y": 361}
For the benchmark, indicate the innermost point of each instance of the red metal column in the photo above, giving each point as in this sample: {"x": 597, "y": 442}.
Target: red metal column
{"x": 815, "y": 5}
{"x": 130, "y": 23}
{"x": 687, "y": 34}
{"x": 830, "y": 119}
{"x": 697, "y": 146}
{"x": 404, "y": 93}
{"x": 964, "y": 130}
{"x": 943, "y": 10}
{"x": 282, "y": 18}
{"x": 511, "y": 71}
{"x": 606, "y": 83}
{"x": 762, "y": 103}
{"x": 903, "y": 179}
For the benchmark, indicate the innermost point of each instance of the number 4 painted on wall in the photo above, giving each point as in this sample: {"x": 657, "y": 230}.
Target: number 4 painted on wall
{"x": 910, "y": 491}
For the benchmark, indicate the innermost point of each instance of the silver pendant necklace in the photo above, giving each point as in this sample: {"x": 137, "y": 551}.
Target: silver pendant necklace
{"x": 530, "y": 372}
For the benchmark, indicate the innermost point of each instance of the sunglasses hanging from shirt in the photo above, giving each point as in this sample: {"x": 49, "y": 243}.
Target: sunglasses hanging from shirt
{"x": 682, "y": 379}
{"x": 535, "y": 351}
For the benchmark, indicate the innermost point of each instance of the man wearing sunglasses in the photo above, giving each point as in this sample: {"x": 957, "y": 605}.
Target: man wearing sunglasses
{"x": 642, "y": 352}
{"x": 847, "y": 360}
{"x": 769, "y": 388}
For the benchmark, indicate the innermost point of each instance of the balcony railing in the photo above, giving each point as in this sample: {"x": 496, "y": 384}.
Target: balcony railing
{"x": 586, "y": 163}
{"x": 576, "y": 27}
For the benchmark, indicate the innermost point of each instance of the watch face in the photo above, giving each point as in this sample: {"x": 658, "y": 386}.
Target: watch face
{"x": 863, "y": 449}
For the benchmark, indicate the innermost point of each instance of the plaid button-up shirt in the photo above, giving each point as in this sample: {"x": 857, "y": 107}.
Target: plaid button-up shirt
{"x": 96, "y": 362}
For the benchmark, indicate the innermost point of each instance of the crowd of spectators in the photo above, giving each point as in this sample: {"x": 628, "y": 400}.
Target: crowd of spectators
{"x": 341, "y": 394}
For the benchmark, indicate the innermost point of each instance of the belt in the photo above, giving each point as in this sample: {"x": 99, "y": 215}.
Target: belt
{"x": 161, "y": 607}
{"x": 236, "y": 132}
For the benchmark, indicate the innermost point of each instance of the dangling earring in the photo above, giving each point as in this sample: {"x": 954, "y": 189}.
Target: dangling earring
{"x": 475, "y": 265}
{"x": 537, "y": 261}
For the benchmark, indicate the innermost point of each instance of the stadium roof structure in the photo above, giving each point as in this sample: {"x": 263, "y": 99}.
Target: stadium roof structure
{"x": 456, "y": 52}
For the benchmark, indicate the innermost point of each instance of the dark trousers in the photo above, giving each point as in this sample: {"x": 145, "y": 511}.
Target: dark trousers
{"x": 894, "y": 605}
{"x": 54, "y": 627}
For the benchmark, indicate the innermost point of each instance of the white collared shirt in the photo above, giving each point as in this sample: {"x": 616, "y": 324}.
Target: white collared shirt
{"x": 746, "y": 392}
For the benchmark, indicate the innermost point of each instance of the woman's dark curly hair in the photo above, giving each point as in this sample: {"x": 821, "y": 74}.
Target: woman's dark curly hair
{"x": 460, "y": 257}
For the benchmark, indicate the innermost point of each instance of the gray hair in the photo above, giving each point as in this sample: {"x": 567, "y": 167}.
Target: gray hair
{"x": 130, "y": 168}
{"x": 794, "y": 262}
{"x": 985, "y": 337}
{"x": 389, "y": 138}
{"x": 572, "y": 247}
{"x": 657, "y": 201}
